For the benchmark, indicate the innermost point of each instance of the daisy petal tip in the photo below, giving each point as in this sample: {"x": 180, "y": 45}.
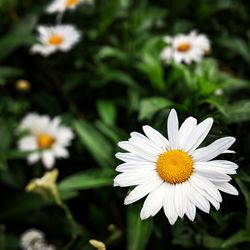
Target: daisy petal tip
{"x": 172, "y": 221}
{"x": 117, "y": 155}
{"x": 142, "y": 216}
{"x": 126, "y": 201}
{"x": 115, "y": 184}
{"x": 119, "y": 144}
{"x": 235, "y": 192}
{"x": 173, "y": 112}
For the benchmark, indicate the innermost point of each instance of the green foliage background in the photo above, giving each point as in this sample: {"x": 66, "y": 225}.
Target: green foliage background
{"x": 107, "y": 86}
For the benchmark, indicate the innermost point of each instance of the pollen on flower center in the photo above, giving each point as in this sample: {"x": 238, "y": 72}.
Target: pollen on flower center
{"x": 70, "y": 3}
{"x": 45, "y": 141}
{"x": 183, "y": 47}
{"x": 174, "y": 166}
{"x": 55, "y": 40}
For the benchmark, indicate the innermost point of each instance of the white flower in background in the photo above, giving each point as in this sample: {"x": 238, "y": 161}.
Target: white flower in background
{"x": 63, "y": 5}
{"x": 34, "y": 239}
{"x": 56, "y": 38}
{"x": 185, "y": 48}
{"x": 46, "y": 137}
{"x": 172, "y": 172}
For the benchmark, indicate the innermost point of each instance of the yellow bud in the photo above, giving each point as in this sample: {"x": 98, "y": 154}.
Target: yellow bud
{"x": 22, "y": 85}
{"x": 99, "y": 245}
{"x": 45, "y": 184}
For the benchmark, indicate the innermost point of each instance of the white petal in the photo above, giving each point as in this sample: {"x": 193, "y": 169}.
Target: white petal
{"x": 197, "y": 199}
{"x": 190, "y": 210}
{"x": 27, "y": 143}
{"x": 135, "y": 166}
{"x": 185, "y": 130}
{"x": 180, "y": 199}
{"x": 129, "y": 157}
{"x": 61, "y": 152}
{"x": 143, "y": 151}
{"x": 48, "y": 159}
{"x": 224, "y": 167}
{"x": 135, "y": 178}
{"x": 146, "y": 147}
{"x": 212, "y": 174}
{"x": 34, "y": 157}
{"x": 156, "y": 137}
{"x": 64, "y": 136}
{"x": 199, "y": 182}
{"x": 173, "y": 126}
{"x": 169, "y": 204}
{"x": 142, "y": 190}
{"x": 142, "y": 140}
{"x": 229, "y": 152}
{"x": 208, "y": 190}
{"x": 198, "y": 135}
{"x": 213, "y": 150}
{"x": 153, "y": 202}
{"x": 227, "y": 188}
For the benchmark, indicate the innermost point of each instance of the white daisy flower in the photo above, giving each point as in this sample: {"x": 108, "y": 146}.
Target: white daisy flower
{"x": 56, "y": 38}
{"x": 46, "y": 137}
{"x": 63, "y": 5}
{"x": 34, "y": 239}
{"x": 173, "y": 173}
{"x": 185, "y": 48}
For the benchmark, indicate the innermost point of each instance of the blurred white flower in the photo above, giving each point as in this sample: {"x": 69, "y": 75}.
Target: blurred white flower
{"x": 46, "y": 137}
{"x": 172, "y": 172}
{"x": 185, "y": 48}
{"x": 63, "y": 5}
{"x": 219, "y": 92}
{"x": 56, "y": 38}
{"x": 34, "y": 239}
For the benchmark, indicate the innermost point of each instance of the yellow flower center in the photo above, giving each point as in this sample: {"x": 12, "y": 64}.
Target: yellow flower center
{"x": 71, "y": 3}
{"x": 183, "y": 47}
{"x": 174, "y": 166}
{"x": 55, "y": 40}
{"x": 45, "y": 141}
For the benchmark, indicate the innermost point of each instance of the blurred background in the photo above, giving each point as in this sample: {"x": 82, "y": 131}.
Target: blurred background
{"x": 109, "y": 84}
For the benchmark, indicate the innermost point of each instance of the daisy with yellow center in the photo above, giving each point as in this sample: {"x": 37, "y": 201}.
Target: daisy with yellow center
{"x": 57, "y": 38}
{"x": 63, "y": 5}
{"x": 174, "y": 173}
{"x": 46, "y": 138}
{"x": 185, "y": 48}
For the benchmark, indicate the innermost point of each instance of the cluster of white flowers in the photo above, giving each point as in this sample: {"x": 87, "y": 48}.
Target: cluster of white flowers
{"x": 185, "y": 48}
{"x": 174, "y": 173}
{"x": 34, "y": 239}
{"x": 61, "y": 37}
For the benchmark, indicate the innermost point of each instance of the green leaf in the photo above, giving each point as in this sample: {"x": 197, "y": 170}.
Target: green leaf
{"x": 152, "y": 67}
{"x": 149, "y": 106}
{"x": 107, "y": 111}
{"x": 25, "y": 203}
{"x": 108, "y": 75}
{"x": 246, "y": 194}
{"x": 20, "y": 35}
{"x": 98, "y": 146}
{"x": 239, "y": 237}
{"x": 107, "y": 51}
{"x": 94, "y": 178}
{"x": 212, "y": 242}
{"x": 112, "y": 133}
{"x": 6, "y": 72}
{"x": 239, "y": 112}
{"x": 236, "y": 45}
{"x": 138, "y": 231}
{"x": 219, "y": 103}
